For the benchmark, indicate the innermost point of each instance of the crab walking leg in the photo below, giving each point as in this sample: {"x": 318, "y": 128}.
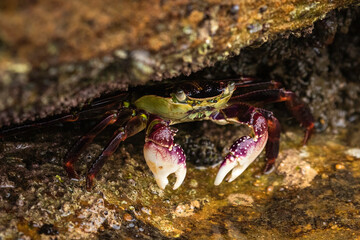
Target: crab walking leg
{"x": 73, "y": 154}
{"x": 27, "y": 127}
{"x": 163, "y": 156}
{"x": 273, "y": 143}
{"x": 246, "y": 149}
{"x": 298, "y": 109}
{"x": 133, "y": 126}
{"x": 92, "y": 111}
{"x": 256, "y": 86}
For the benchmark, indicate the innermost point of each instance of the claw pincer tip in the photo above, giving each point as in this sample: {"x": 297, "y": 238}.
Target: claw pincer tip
{"x": 163, "y": 156}
{"x": 162, "y": 162}
{"x": 243, "y": 151}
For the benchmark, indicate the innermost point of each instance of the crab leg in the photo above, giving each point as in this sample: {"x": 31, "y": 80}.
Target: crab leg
{"x": 298, "y": 109}
{"x": 246, "y": 149}
{"x": 244, "y": 88}
{"x": 73, "y": 154}
{"x": 161, "y": 154}
{"x": 272, "y": 145}
{"x": 133, "y": 126}
{"x": 27, "y": 127}
{"x": 90, "y": 111}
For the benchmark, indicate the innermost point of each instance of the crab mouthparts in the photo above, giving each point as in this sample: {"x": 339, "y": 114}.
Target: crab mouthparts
{"x": 164, "y": 161}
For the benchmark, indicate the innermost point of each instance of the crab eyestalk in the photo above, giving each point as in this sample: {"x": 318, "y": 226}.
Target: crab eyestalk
{"x": 163, "y": 156}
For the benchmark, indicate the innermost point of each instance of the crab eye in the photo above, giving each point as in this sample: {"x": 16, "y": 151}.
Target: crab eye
{"x": 180, "y": 95}
{"x": 229, "y": 88}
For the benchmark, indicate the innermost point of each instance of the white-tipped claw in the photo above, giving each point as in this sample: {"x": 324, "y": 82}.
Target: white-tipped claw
{"x": 242, "y": 153}
{"x": 163, "y": 162}
{"x": 180, "y": 176}
{"x": 236, "y": 167}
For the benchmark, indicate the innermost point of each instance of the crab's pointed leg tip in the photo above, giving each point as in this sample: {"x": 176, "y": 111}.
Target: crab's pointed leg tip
{"x": 180, "y": 176}
{"x": 269, "y": 169}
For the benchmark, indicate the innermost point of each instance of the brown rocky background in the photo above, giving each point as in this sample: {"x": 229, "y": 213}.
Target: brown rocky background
{"x": 57, "y": 55}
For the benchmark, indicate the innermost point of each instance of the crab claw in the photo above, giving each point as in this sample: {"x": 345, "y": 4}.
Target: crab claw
{"x": 164, "y": 161}
{"x": 241, "y": 154}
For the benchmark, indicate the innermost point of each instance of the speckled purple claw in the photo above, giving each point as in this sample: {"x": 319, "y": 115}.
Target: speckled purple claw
{"x": 164, "y": 161}
{"x": 241, "y": 154}
{"x": 163, "y": 156}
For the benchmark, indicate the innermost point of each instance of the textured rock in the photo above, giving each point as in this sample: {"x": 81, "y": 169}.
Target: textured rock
{"x": 38, "y": 201}
{"x": 56, "y": 55}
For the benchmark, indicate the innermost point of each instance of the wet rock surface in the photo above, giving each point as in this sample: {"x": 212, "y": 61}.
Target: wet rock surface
{"x": 38, "y": 199}
{"x": 314, "y": 194}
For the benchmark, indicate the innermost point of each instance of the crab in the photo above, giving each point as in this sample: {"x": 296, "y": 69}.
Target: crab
{"x": 156, "y": 108}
